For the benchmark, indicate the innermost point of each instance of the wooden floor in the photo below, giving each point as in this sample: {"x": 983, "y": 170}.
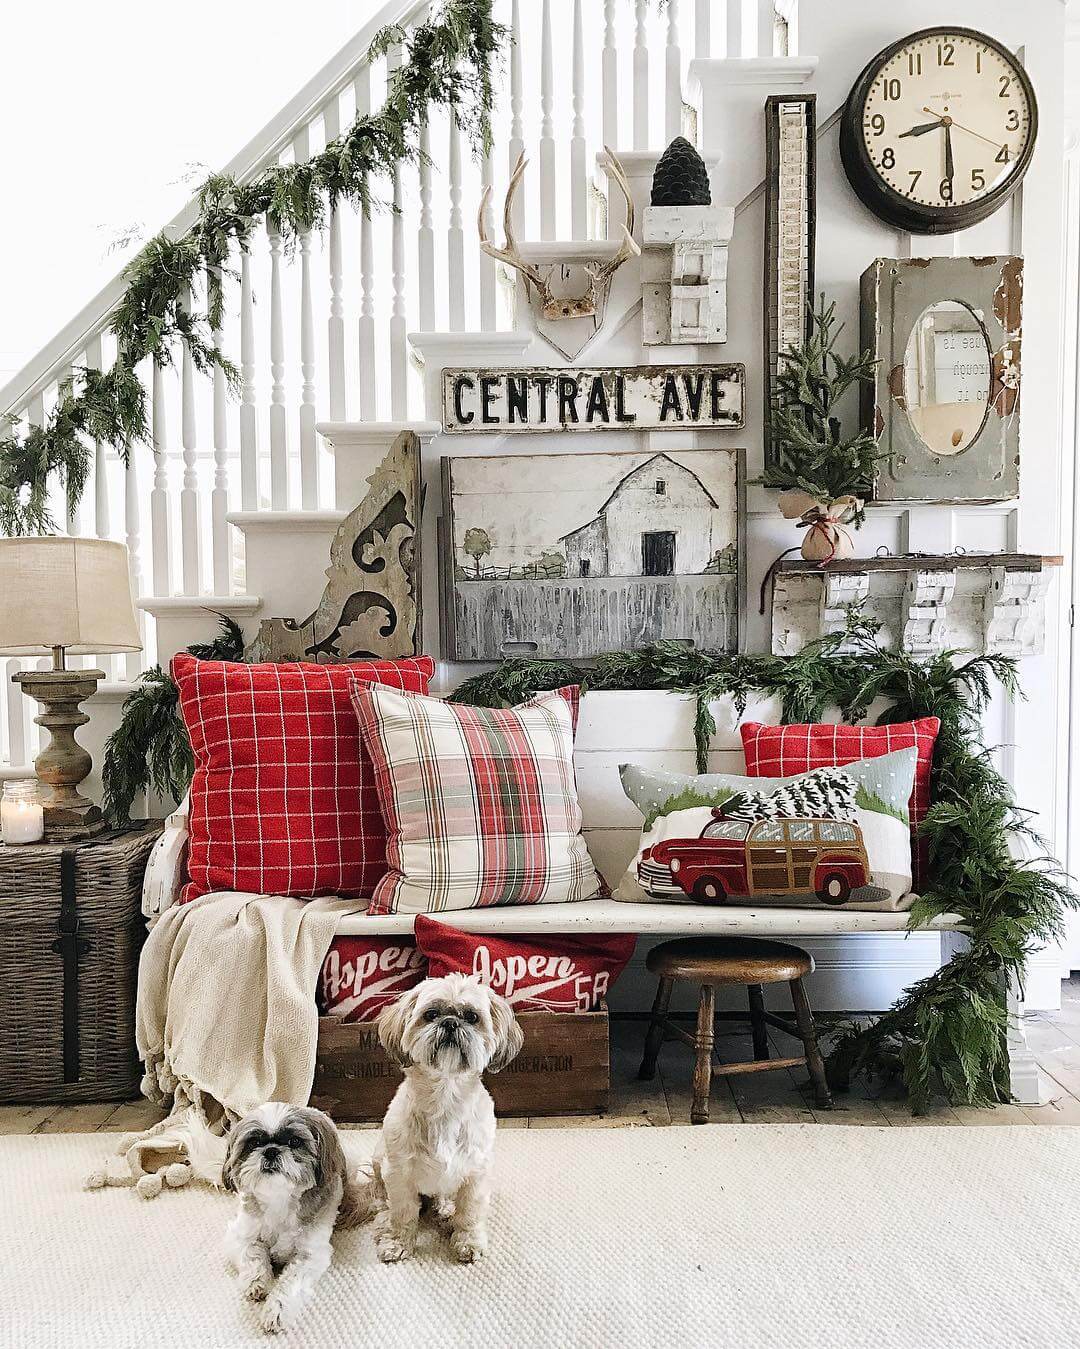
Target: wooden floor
{"x": 761, "y": 1098}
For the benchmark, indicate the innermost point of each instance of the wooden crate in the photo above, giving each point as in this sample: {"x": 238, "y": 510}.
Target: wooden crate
{"x": 562, "y": 1068}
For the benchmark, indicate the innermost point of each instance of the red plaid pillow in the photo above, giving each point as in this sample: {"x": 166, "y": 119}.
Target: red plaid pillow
{"x": 283, "y": 798}
{"x": 780, "y": 751}
{"x": 480, "y": 803}
{"x": 362, "y": 975}
{"x": 533, "y": 973}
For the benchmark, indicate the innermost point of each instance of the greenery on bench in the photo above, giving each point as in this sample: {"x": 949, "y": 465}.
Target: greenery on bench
{"x": 447, "y": 60}
{"x": 948, "y": 1031}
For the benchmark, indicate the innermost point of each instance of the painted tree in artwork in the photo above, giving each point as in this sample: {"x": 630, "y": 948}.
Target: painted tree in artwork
{"x": 477, "y": 544}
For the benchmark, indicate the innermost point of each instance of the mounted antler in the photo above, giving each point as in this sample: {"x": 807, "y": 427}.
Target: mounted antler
{"x": 553, "y": 306}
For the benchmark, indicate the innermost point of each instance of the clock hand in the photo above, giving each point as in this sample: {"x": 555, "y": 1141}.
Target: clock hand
{"x": 953, "y": 122}
{"x": 950, "y": 167}
{"x": 921, "y": 130}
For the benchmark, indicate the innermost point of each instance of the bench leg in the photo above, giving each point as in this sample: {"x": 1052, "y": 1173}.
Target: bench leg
{"x": 804, "y": 1020}
{"x": 654, "y": 1037}
{"x": 757, "y": 1021}
{"x": 703, "y": 1044}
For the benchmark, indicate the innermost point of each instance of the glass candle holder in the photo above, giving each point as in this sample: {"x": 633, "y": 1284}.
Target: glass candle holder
{"x": 22, "y": 817}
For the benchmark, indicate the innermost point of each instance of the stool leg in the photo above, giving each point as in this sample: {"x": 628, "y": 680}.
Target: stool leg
{"x": 655, "y": 1036}
{"x": 757, "y": 1021}
{"x": 804, "y": 1020}
{"x": 703, "y": 1043}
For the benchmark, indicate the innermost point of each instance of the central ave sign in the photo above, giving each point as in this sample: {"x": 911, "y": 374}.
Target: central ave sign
{"x": 629, "y": 398}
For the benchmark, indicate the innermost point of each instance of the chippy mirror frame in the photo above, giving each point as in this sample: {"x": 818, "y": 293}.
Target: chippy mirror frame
{"x": 894, "y": 295}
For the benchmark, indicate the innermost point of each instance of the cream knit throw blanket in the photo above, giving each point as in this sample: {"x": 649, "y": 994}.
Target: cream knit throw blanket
{"x": 225, "y": 1020}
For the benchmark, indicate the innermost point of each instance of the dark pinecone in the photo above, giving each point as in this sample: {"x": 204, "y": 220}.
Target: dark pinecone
{"x": 681, "y": 178}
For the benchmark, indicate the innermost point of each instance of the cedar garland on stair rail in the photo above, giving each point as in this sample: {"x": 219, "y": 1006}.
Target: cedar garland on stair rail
{"x": 447, "y": 60}
{"x": 947, "y": 1033}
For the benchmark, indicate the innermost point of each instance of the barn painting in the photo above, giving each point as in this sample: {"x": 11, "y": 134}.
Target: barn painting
{"x": 555, "y": 555}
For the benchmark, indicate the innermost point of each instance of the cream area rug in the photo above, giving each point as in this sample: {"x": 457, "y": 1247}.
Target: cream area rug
{"x": 773, "y": 1237}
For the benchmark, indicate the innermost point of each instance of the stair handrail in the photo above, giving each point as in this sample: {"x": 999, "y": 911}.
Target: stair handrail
{"x": 55, "y": 356}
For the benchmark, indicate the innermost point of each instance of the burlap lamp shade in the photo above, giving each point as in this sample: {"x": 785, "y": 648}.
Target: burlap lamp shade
{"x": 65, "y": 596}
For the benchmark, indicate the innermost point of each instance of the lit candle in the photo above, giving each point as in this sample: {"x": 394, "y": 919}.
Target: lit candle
{"x": 22, "y": 819}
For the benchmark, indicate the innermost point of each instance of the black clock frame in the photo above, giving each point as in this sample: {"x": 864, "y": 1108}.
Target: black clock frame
{"x": 888, "y": 204}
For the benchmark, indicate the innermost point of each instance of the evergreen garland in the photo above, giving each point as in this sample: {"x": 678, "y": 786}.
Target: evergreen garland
{"x": 447, "y": 60}
{"x": 947, "y": 1032}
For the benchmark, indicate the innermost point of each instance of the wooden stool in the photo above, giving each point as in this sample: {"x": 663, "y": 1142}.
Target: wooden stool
{"x": 709, "y": 961}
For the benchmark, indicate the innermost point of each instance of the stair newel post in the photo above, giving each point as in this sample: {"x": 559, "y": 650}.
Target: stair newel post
{"x": 249, "y": 422}
{"x": 455, "y": 237}
{"x": 309, "y": 462}
{"x": 399, "y": 347}
{"x": 672, "y": 75}
{"x": 641, "y": 74}
{"x": 279, "y": 430}
{"x": 160, "y": 506}
{"x": 610, "y": 78}
{"x": 190, "y": 568}
{"x": 219, "y": 495}
{"x": 579, "y": 188}
{"x": 547, "y": 128}
{"x": 335, "y": 324}
{"x": 366, "y": 331}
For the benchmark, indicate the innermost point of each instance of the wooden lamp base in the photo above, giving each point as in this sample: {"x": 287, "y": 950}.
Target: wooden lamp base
{"x": 63, "y": 764}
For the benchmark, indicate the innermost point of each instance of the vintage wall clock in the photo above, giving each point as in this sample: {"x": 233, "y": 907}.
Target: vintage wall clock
{"x": 938, "y": 130}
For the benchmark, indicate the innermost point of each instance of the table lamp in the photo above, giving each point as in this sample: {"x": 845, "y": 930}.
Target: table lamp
{"x": 61, "y": 596}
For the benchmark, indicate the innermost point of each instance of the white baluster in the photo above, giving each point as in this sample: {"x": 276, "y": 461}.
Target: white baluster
{"x": 517, "y": 134}
{"x": 547, "y": 129}
{"x": 455, "y": 236}
{"x": 366, "y": 327}
{"x": 610, "y": 79}
{"x": 101, "y": 473}
{"x": 488, "y": 317}
{"x": 399, "y": 345}
{"x": 134, "y": 660}
{"x": 734, "y": 48}
{"x": 425, "y": 237}
{"x": 641, "y": 76}
{"x": 766, "y": 27}
{"x": 219, "y": 496}
{"x": 189, "y": 491}
{"x": 335, "y": 325}
{"x": 72, "y": 515}
{"x": 579, "y": 191}
{"x": 672, "y": 75}
{"x": 309, "y": 463}
{"x": 279, "y": 429}
{"x": 249, "y": 422}
{"x": 16, "y": 714}
{"x": 702, "y": 28}
{"x": 160, "y": 540}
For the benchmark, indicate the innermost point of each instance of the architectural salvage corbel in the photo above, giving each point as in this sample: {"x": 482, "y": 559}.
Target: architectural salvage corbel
{"x": 927, "y": 596}
{"x": 1015, "y": 612}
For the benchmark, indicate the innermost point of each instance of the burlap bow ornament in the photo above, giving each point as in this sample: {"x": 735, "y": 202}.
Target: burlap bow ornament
{"x": 827, "y": 537}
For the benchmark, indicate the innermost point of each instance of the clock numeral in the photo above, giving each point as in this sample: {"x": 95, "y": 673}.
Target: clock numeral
{"x": 978, "y": 180}
{"x": 891, "y": 90}
{"x": 945, "y": 189}
{"x": 1012, "y": 120}
{"x": 1004, "y": 81}
{"x": 877, "y": 124}
{"x": 888, "y": 158}
{"x": 914, "y": 63}
{"x": 1002, "y": 156}
{"x": 945, "y": 53}
{"x": 914, "y": 175}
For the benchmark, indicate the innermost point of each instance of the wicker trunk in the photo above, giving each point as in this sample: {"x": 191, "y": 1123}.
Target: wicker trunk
{"x": 70, "y": 933}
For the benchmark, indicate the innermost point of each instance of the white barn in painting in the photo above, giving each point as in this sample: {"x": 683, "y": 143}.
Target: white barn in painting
{"x": 659, "y": 521}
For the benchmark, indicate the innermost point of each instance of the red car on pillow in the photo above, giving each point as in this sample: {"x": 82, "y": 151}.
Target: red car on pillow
{"x": 736, "y": 859}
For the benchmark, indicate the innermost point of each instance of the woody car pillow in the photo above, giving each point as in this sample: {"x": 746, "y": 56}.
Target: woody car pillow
{"x": 833, "y": 837}
{"x": 362, "y": 975}
{"x": 533, "y": 973}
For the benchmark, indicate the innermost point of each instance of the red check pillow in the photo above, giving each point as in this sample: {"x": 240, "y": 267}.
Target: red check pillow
{"x": 362, "y": 975}
{"x": 283, "y": 798}
{"x": 480, "y": 803}
{"x": 780, "y": 751}
{"x": 533, "y": 973}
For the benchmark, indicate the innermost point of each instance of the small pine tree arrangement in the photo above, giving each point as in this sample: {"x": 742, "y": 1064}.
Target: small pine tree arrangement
{"x": 811, "y": 450}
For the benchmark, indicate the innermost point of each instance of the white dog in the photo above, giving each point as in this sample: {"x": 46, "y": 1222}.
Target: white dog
{"x": 438, "y": 1136}
{"x": 287, "y": 1165}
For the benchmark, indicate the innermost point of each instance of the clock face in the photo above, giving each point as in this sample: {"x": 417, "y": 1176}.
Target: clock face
{"x": 939, "y": 130}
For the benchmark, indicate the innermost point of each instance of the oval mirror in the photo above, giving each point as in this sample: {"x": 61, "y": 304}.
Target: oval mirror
{"x": 947, "y": 376}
